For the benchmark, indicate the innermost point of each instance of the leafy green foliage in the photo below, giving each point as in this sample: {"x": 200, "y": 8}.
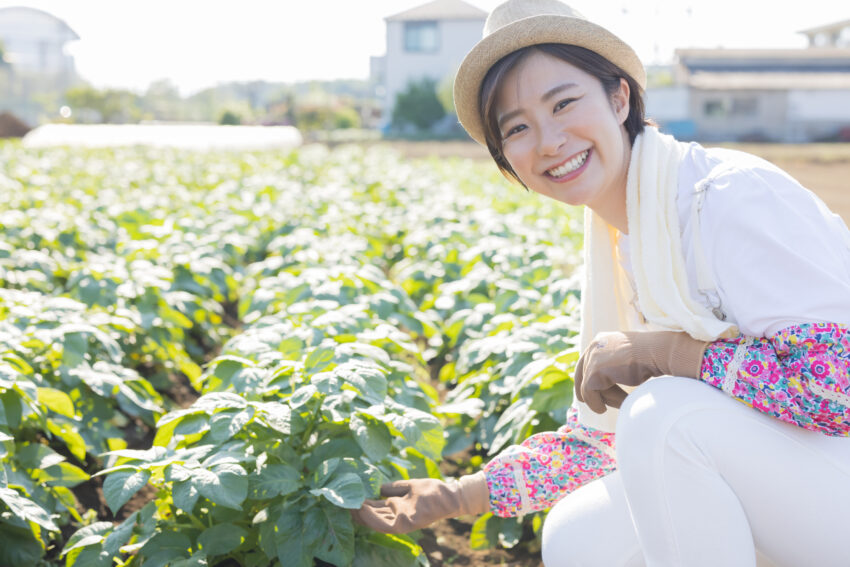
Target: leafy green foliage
{"x": 343, "y": 318}
{"x": 418, "y": 105}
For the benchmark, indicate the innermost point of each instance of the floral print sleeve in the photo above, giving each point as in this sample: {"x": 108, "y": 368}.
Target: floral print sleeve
{"x": 801, "y": 375}
{"x": 547, "y": 466}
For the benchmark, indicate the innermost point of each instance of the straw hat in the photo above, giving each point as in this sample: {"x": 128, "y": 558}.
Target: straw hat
{"x": 519, "y": 23}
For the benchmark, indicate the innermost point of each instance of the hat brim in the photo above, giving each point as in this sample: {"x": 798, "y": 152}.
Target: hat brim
{"x": 534, "y": 30}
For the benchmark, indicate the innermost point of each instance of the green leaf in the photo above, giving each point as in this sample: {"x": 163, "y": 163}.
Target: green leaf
{"x": 12, "y": 410}
{"x": 275, "y": 480}
{"x": 119, "y": 487}
{"x": 344, "y": 490}
{"x": 372, "y": 436}
{"x": 221, "y": 539}
{"x": 226, "y": 484}
{"x": 318, "y": 360}
{"x": 485, "y": 532}
{"x": 387, "y": 550}
{"x": 87, "y": 535}
{"x": 64, "y": 474}
{"x": 165, "y": 548}
{"x": 292, "y": 549}
{"x": 226, "y": 424}
{"x": 38, "y": 456}
{"x": 302, "y": 395}
{"x": 185, "y": 495}
{"x": 218, "y": 401}
{"x": 192, "y": 424}
{"x": 75, "y": 347}
{"x": 67, "y": 499}
{"x": 69, "y": 435}
{"x": 25, "y": 508}
{"x": 57, "y": 401}
{"x": 423, "y": 431}
{"x": 19, "y": 547}
{"x": 277, "y": 416}
{"x": 336, "y": 530}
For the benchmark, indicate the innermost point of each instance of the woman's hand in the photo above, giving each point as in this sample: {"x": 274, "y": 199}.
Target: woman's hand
{"x": 416, "y": 503}
{"x": 631, "y": 358}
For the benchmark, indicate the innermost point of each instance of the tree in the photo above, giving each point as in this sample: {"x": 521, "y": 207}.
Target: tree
{"x": 418, "y": 105}
{"x": 110, "y": 105}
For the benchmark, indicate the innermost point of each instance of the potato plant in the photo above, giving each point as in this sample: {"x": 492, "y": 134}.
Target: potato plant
{"x": 341, "y": 319}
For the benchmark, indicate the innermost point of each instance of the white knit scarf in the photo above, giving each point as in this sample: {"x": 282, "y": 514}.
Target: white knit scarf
{"x": 656, "y": 256}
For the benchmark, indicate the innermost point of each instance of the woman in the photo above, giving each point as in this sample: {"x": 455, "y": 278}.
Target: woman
{"x": 709, "y": 271}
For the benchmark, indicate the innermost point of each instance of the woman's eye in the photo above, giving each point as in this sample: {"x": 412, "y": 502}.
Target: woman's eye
{"x": 516, "y": 129}
{"x": 562, "y": 104}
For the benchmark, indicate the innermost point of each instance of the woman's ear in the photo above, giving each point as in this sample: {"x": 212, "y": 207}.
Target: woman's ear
{"x": 620, "y": 101}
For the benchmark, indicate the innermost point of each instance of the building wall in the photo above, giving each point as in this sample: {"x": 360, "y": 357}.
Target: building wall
{"x": 818, "y": 114}
{"x": 34, "y": 41}
{"x": 456, "y": 38}
{"x": 739, "y": 115}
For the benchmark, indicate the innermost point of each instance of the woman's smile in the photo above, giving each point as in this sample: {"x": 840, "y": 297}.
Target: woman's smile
{"x": 570, "y": 168}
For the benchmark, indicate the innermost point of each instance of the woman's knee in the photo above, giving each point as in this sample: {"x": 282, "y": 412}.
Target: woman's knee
{"x": 591, "y": 527}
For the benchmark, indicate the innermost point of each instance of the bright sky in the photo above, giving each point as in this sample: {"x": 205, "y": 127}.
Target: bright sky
{"x": 198, "y": 43}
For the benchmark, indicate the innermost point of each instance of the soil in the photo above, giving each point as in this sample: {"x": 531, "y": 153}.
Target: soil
{"x": 12, "y": 127}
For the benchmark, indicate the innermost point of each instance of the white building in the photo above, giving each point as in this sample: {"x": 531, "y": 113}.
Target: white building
{"x": 427, "y": 41}
{"x": 34, "y": 41}
{"x": 37, "y": 64}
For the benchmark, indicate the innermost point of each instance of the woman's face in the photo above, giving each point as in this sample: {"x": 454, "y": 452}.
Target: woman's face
{"x": 561, "y": 133}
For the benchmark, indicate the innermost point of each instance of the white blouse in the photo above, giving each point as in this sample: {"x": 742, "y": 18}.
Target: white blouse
{"x": 775, "y": 256}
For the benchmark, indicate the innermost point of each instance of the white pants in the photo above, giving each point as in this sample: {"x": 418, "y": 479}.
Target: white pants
{"x": 704, "y": 480}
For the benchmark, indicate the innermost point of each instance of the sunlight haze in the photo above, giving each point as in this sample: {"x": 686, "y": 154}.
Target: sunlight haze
{"x": 197, "y": 44}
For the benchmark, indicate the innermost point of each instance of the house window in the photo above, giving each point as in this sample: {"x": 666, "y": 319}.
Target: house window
{"x": 421, "y": 37}
{"x": 744, "y": 106}
{"x": 714, "y": 108}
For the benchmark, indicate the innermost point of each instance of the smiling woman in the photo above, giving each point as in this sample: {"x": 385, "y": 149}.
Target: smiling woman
{"x": 715, "y": 330}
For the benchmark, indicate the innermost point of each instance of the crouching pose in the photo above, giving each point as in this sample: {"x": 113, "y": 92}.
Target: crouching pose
{"x": 713, "y": 393}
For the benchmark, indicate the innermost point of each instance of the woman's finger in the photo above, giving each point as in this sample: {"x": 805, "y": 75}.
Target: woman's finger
{"x": 397, "y": 488}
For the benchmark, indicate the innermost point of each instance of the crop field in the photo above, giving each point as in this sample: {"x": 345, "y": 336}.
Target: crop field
{"x": 209, "y": 358}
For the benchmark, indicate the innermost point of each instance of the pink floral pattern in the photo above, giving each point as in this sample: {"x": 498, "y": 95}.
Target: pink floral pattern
{"x": 801, "y": 375}
{"x": 547, "y": 466}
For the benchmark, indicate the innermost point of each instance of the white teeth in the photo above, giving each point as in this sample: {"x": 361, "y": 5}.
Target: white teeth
{"x": 570, "y": 166}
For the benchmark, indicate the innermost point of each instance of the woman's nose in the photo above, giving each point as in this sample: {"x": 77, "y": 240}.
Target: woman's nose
{"x": 552, "y": 137}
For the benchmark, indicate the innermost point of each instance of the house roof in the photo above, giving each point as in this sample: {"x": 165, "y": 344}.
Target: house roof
{"x": 808, "y": 53}
{"x": 16, "y": 10}
{"x": 834, "y": 27}
{"x": 440, "y": 10}
{"x": 811, "y": 60}
{"x": 769, "y": 81}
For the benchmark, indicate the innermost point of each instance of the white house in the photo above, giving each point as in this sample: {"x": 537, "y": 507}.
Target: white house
{"x": 34, "y": 41}
{"x": 36, "y": 61}
{"x": 427, "y": 41}
{"x": 830, "y": 35}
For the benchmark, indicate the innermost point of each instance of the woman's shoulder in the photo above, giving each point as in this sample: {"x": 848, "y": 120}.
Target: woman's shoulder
{"x": 736, "y": 181}
{"x": 700, "y": 164}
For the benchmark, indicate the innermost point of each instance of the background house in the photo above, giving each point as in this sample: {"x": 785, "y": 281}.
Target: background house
{"x": 427, "y": 41}
{"x": 37, "y": 63}
{"x": 778, "y": 95}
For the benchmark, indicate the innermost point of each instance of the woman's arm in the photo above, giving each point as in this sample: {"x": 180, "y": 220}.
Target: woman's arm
{"x": 801, "y": 375}
{"x": 547, "y": 466}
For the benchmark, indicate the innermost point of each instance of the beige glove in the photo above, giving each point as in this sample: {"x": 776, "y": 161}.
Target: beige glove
{"x": 631, "y": 358}
{"x": 416, "y": 503}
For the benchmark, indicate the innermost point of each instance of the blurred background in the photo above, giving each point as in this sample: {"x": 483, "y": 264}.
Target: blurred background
{"x": 719, "y": 70}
